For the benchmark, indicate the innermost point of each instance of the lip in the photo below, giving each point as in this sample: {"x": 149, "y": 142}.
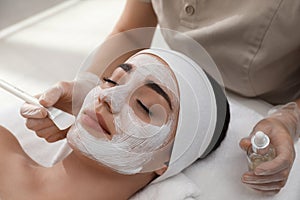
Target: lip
{"x": 96, "y": 122}
{"x": 102, "y": 123}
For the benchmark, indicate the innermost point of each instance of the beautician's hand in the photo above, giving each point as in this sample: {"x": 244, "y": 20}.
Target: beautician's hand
{"x": 59, "y": 96}
{"x": 271, "y": 176}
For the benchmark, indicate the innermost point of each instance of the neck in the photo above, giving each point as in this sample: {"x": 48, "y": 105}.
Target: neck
{"x": 82, "y": 175}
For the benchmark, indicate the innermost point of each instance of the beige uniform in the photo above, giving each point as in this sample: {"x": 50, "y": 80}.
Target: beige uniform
{"x": 255, "y": 44}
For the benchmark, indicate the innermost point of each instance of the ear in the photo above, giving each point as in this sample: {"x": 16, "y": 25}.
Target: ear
{"x": 161, "y": 170}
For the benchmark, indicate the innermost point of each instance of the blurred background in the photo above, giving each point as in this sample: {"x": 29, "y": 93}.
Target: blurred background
{"x": 13, "y": 11}
{"x": 45, "y": 41}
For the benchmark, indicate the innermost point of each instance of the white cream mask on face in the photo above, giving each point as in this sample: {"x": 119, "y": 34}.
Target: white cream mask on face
{"x": 132, "y": 148}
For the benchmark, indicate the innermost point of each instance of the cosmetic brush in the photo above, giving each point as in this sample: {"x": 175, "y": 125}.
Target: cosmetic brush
{"x": 61, "y": 119}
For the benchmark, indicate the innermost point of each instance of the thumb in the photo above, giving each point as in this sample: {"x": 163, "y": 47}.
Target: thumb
{"x": 245, "y": 143}
{"x": 51, "y": 96}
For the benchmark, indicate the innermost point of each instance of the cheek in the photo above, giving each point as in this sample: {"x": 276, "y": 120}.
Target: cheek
{"x": 159, "y": 115}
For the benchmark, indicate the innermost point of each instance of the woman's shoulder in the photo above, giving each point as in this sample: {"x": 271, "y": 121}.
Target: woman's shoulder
{"x": 17, "y": 170}
{"x": 10, "y": 148}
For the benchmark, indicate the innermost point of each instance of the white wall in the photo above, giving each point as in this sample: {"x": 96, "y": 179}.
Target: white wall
{"x": 50, "y": 46}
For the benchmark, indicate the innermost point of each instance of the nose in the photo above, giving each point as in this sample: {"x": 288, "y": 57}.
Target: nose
{"x": 106, "y": 103}
{"x": 113, "y": 98}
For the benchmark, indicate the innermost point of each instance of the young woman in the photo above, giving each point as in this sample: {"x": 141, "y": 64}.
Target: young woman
{"x": 145, "y": 122}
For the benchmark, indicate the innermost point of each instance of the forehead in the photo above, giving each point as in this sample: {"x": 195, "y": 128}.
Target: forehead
{"x": 142, "y": 59}
{"x": 155, "y": 68}
{"x": 156, "y": 65}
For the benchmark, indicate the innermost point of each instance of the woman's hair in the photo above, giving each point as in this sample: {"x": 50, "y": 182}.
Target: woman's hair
{"x": 126, "y": 67}
{"x": 225, "y": 128}
{"x": 223, "y": 116}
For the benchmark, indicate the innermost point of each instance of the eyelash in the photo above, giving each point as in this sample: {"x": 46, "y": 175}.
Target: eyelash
{"x": 110, "y": 81}
{"x": 138, "y": 101}
{"x": 144, "y": 107}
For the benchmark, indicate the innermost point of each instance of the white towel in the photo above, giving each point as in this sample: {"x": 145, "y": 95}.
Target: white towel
{"x": 178, "y": 187}
{"x": 219, "y": 175}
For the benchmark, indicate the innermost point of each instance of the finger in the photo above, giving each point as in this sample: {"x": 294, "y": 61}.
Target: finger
{"x": 268, "y": 186}
{"x": 282, "y": 161}
{"x": 39, "y": 124}
{"x": 272, "y": 167}
{"x": 251, "y": 178}
{"x": 51, "y": 96}
{"x": 56, "y": 137}
{"x": 33, "y": 111}
{"x": 47, "y": 132}
{"x": 268, "y": 192}
{"x": 245, "y": 143}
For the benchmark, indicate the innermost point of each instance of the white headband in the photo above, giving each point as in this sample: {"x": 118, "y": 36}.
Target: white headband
{"x": 197, "y": 115}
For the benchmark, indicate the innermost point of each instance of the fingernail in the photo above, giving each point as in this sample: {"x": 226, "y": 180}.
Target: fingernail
{"x": 259, "y": 171}
{"x": 42, "y": 113}
{"x": 42, "y": 98}
{"x": 246, "y": 178}
{"x": 32, "y": 112}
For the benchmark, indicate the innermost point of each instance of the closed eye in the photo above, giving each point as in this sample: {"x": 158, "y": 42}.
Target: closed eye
{"x": 144, "y": 107}
{"x": 108, "y": 80}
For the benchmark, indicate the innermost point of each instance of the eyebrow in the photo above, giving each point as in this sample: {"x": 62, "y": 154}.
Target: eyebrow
{"x": 159, "y": 91}
{"x": 127, "y": 68}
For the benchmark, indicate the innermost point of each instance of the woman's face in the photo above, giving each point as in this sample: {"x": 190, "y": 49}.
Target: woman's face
{"x": 151, "y": 101}
{"x": 131, "y": 117}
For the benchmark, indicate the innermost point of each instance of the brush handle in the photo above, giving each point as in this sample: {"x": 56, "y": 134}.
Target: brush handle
{"x": 19, "y": 93}
{"x": 60, "y": 118}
